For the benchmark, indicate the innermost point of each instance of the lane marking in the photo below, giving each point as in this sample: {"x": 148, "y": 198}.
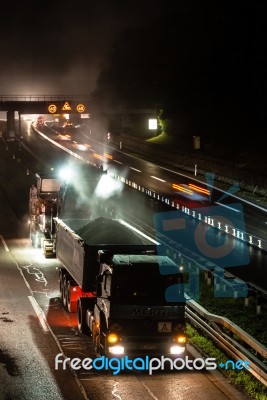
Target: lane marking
{"x": 4, "y": 243}
{"x": 115, "y": 391}
{"x": 149, "y": 391}
{"x": 38, "y": 274}
{"x": 39, "y": 312}
{"x": 134, "y": 169}
{"x": 158, "y": 179}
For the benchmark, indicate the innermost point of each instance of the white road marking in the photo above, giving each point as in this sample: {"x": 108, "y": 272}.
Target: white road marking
{"x": 149, "y": 391}
{"x": 38, "y": 274}
{"x": 158, "y": 179}
{"x": 4, "y": 243}
{"x": 134, "y": 169}
{"x": 39, "y": 313}
{"x": 114, "y": 391}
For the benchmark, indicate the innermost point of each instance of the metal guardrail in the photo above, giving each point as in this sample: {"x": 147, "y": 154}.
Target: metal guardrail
{"x": 225, "y": 228}
{"x": 211, "y": 324}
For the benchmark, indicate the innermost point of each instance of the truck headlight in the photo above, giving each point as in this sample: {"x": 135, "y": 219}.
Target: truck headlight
{"x": 175, "y": 349}
{"x": 116, "y": 350}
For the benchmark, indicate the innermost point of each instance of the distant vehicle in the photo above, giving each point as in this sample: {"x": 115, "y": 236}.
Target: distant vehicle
{"x": 81, "y": 146}
{"x": 62, "y": 136}
{"x": 40, "y": 121}
{"x": 68, "y": 124}
{"x": 191, "y": 195}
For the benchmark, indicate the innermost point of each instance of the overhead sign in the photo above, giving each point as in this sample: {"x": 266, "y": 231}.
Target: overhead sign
{"x": 80, "y": 108}
{"x": 66, "y": 107}
{"x": 52, "y": 108}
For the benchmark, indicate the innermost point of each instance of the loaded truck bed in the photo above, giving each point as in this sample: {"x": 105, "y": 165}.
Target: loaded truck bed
{"x": 78, "y": 250}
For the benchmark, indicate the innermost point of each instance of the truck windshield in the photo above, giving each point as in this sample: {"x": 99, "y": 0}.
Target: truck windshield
{"x": 147, "y": 288}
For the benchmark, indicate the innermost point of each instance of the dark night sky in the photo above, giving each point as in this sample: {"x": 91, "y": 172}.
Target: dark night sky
{"x": 59, "y": 47}
{"x": 208, "y": 58}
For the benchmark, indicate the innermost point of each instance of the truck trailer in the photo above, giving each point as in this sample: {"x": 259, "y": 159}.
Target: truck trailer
{"x": 128, "y": 296}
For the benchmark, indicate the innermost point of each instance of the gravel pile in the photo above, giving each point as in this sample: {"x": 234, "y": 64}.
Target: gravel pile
{"x": 107, "y": 231}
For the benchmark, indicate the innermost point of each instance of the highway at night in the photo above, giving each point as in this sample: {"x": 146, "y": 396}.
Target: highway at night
{"x": 35, "y": 326}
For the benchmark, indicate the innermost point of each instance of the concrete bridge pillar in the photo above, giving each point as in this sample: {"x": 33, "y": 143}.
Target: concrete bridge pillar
{"x": 11, "y": 129}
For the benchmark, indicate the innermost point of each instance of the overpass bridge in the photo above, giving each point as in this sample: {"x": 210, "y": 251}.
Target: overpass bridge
{"x": 120, "y": 118}
{"x": 41, "y": 104}
{"x": 45, "y": 104}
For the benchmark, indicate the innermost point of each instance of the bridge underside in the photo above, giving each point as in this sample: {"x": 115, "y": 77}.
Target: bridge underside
{"x": 117, "y": 119}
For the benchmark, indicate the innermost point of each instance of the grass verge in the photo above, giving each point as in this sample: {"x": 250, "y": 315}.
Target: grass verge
{"x": 241, "y": 379}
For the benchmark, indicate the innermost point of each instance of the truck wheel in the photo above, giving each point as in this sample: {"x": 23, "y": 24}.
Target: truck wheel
{"x": 65, "y": 289}
{"x": 61, "y": 284}
{"x": 71, "y": 304}
{"x": 81, "y": 311}
{"x": 62, "y": 272}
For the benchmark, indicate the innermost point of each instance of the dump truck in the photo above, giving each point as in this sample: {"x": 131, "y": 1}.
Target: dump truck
{"x": 127, "y": 297}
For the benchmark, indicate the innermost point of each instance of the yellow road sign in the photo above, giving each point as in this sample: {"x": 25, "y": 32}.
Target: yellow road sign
{"x": 66, "y": 107}
{"x": 80, "y": 108}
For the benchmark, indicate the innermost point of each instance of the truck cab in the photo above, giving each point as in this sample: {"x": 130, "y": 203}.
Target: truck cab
{"x": 139, "y": 307}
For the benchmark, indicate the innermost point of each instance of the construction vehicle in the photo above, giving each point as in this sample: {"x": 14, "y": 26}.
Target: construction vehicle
{"x": 127, "y": 294}
{"x": 43, "y": 207}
